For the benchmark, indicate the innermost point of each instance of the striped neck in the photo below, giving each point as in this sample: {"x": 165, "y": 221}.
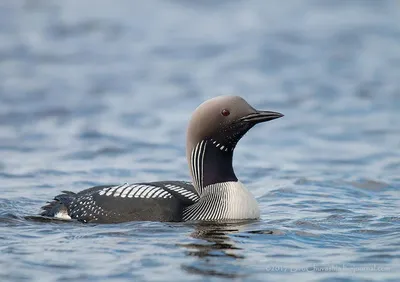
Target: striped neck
{"x": 211, "y": 163}
{"x": 223, "y": 201}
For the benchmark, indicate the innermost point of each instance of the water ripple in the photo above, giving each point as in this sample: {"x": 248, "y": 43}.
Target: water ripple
{"x": 104, "y": 97}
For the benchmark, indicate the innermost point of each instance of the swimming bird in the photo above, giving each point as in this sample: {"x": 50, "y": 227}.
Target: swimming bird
{"x": 215, "y": 193}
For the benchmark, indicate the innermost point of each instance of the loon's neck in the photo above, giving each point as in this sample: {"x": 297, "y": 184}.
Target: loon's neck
{"x": 222, "y": 195}
{"x": 224, "y": 201}
{"x": 211, "y": 164}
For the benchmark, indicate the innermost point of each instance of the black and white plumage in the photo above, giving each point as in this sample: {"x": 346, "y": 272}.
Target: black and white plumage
{"x": 215, "y": 194}
{"x": 154, "y": 201}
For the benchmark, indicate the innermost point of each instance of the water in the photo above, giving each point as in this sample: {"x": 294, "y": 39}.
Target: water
{"x": 96, "y": 92}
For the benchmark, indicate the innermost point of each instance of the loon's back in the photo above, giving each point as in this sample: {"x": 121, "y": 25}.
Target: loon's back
{"x": 153, "y": 201}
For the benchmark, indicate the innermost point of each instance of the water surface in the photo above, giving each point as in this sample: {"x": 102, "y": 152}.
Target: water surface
{"x": 97, "y": 92}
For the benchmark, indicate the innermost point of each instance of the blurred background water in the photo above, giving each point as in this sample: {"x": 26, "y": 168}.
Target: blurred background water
{"x": 98, "y": 92}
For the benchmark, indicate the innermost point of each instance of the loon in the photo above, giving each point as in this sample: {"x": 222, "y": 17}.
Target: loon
{"x": 215, "y": 193}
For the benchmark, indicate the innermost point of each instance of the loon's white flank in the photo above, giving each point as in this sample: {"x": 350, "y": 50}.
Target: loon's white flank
{"x": 62, "y": 214}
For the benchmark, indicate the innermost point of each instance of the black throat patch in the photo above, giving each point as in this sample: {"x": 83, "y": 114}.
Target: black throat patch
{"x": 217, "y": 165}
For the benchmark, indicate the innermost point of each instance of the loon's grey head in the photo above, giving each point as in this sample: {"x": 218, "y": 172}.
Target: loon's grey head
{"x": 215, "y": 128}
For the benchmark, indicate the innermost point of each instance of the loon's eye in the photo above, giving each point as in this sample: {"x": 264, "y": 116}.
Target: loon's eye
{"x": 225, "y": 112}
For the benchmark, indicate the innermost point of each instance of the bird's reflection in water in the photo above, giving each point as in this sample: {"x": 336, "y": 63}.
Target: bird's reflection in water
{"x": 215, "y": 246}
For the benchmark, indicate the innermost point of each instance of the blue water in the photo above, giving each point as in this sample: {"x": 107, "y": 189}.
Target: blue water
{"x": 97, "y": 92}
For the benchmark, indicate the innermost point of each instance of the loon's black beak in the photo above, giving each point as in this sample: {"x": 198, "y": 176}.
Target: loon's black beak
{"x": 261, "y": 116}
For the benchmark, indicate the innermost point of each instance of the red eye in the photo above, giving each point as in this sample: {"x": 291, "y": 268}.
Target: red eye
{"x": 225, "y": 112}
